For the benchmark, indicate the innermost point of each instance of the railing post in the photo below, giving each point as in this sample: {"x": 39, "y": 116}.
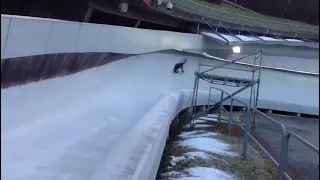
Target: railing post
{"x": 230, "y": 114}
{"x": 191, "y": 110}
{"x": 283, "y": 156}
{"x": 245, "y": 137}
{"x": 209, "y": 99}
{"x": 221, "y": 105}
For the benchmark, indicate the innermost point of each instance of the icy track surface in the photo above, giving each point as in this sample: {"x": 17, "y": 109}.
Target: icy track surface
{"x": 97, "y": 124}
{"x": 109, "y": 122}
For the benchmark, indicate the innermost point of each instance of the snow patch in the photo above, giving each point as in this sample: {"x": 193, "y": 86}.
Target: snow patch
{"x": 205, "y": 173}
{"x": 196, "y": 134}
{"x": 189, "y": 156}
{"x": 203, "y": 125}
{"x": 198, "y": 154}
{"x": 209, "y": 145}
{"x": 174, "y": 159}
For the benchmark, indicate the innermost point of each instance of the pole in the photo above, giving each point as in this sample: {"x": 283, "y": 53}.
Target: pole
{"x": 283, "y": 157}
{"x": 230, "y": 114}
{"x": 246, "y": 132}
{"x": 259, "y": 76}
{"x": 221, "y": 105}
{"x": 209, "y": 99}
{"x": 191, "y": 110}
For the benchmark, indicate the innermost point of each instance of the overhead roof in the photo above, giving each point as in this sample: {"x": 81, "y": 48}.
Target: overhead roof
{"x": 233, "y": 39}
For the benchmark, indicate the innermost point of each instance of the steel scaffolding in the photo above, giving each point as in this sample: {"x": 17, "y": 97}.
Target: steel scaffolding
{"x": 241, "y": 83}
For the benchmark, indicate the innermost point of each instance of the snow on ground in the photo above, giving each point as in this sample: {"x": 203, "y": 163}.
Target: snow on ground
{"x": 195, "y": 134}
{"x": 197, "y": 154}
{"x": 205, "y": 173}
{"x": 190, "y": 155}
{"x": 208, "y": 144}
{"x": 200, "y": 145}
{"x": 203, "y": 125}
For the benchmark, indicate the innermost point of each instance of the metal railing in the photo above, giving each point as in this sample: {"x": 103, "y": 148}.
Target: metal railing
{"x": 285, "y": 134}
{"x": 281, "y": 25}
{"x": 281, "y": 164}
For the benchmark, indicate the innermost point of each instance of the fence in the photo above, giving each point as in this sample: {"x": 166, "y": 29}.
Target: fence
{"x": 281, "y": 164}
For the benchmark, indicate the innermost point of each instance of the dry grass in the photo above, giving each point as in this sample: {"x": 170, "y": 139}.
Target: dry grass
{"x": 254, "y": 167}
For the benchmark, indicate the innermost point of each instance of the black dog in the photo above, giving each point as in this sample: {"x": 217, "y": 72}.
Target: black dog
{"x": 179, "y": 66}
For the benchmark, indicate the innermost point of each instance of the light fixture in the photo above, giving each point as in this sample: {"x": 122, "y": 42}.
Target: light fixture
{"x": 236, "y": 49}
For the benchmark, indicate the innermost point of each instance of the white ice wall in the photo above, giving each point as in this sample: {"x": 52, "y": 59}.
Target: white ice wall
{"x": 26, "y": 36}
{"x": 34, "y": 36}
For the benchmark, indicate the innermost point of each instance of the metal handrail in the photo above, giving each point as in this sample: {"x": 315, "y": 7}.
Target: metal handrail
{"x": 311, "y": 146}
{"x": 232, "y": 61}
{"x": 283, "y": 156}
{"x": 284, "y": 143}
{"x": 286, "y": 133}
{"x": 262, "y": 66}
{"x": 254, "y": 109}
{"x": 315, "y": 29}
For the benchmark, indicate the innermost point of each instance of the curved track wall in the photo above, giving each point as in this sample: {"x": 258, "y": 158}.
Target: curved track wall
{"x": 116, "y": 117}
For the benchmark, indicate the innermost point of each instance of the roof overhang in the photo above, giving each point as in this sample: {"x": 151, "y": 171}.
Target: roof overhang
{"x": 232, "y": 39}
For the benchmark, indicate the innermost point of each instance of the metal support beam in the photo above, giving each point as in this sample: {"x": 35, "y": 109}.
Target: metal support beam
{"x": 137, "y": 23}
{"x": 245, "y": 136}
{"x": 230, "y": 116}
{"x": 221, "y": 106}
{"x": 88, "y": 13}
{"x": 283, "y": 157}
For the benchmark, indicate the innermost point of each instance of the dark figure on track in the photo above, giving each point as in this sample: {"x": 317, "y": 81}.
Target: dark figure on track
{"x": 178, "y": 68}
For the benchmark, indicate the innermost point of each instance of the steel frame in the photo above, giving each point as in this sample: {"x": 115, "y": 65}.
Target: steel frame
{"x": 281, "y": 164}
{"x": 249, "y": 83}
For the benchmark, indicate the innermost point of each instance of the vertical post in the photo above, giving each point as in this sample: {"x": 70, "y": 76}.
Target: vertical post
{"x": 283, "y": 157}
{"x": 253, "y": 93}
{"x": 198, "y": 27}
{"x": 191, "y": 110}
{"x": 196, "y": 96}
{"x": 259, "y": 76}
{"x": 221, "y": 104}
{"x": 246, "y": 132}
{"x": 209, "y": 99}
{"x": 230, "y": 114}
